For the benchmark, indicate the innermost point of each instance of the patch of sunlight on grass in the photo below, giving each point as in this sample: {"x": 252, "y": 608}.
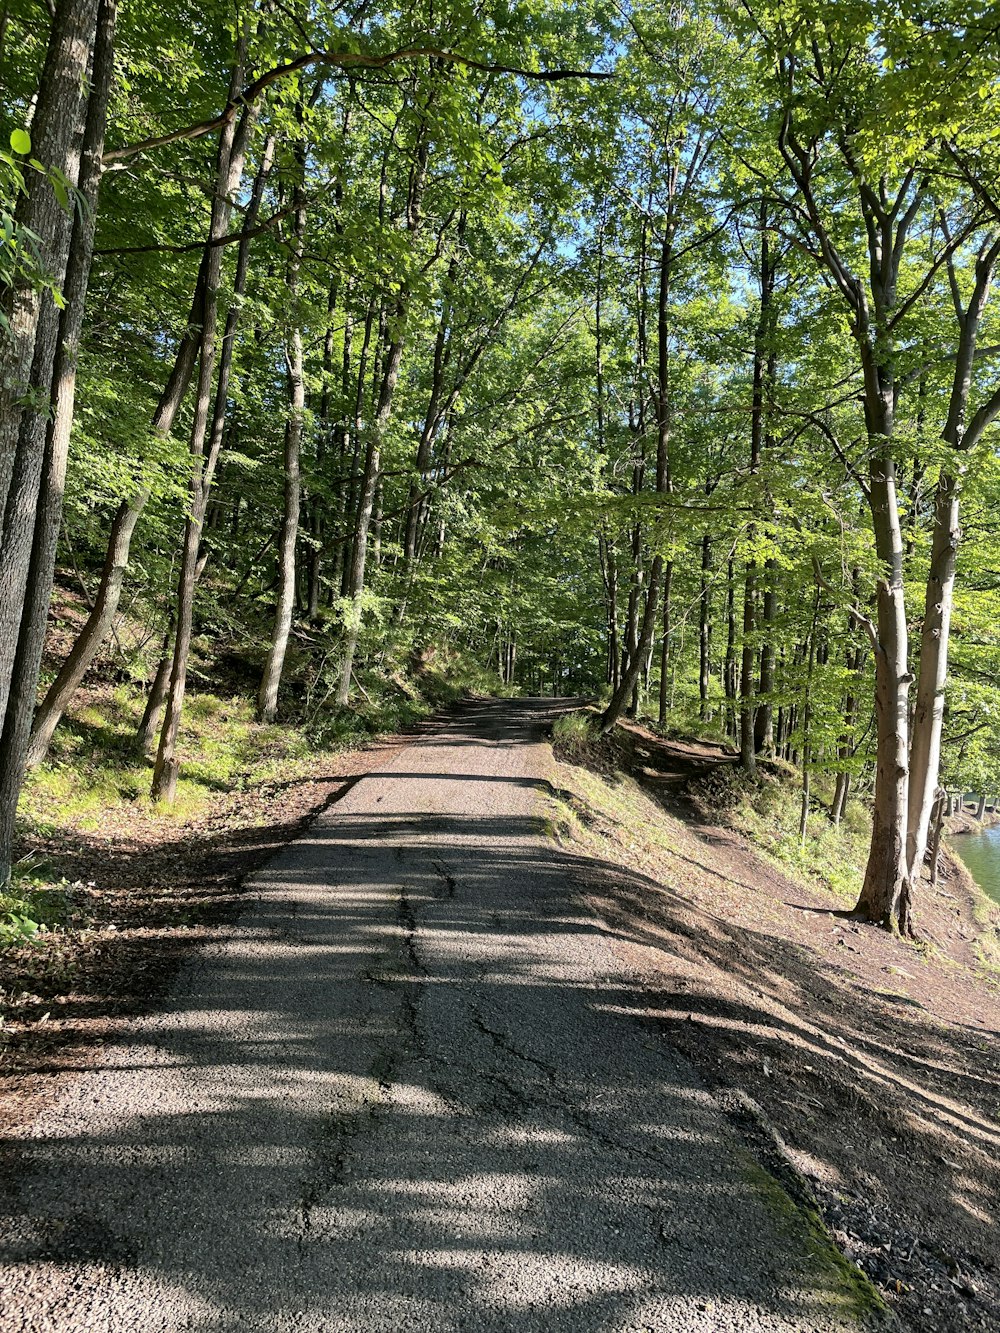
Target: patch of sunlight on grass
{"x": 94, "y": 766}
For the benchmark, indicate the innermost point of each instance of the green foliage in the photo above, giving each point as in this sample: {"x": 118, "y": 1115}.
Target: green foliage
{"x": 32, "y": 907}
{"x": 574, "y": 736}
{"x": 768, "y": 813}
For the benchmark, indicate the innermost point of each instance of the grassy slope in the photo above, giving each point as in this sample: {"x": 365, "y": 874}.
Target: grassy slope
{"x": 874, "y": 1058}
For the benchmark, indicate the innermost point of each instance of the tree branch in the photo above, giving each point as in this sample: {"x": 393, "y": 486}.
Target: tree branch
{"x": 340, "y": 60}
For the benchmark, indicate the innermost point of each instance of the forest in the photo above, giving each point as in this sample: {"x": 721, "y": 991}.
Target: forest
{"x": 641, "y": 352}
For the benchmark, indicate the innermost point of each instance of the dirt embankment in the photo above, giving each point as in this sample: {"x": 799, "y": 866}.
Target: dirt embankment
{"x": 872, "y": 1063}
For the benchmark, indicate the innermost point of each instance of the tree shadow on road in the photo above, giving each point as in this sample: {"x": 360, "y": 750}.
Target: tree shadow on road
{"x": 415, "y": 1088}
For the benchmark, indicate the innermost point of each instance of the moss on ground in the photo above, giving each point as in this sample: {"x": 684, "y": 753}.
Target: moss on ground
{"x": 844, "y": 1283}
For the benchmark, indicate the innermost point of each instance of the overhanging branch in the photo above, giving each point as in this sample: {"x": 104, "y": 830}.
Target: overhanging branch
{"x": 340, "y": 60}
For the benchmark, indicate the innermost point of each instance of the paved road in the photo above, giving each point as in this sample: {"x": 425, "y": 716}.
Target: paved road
{"x": 411, "y": 1091}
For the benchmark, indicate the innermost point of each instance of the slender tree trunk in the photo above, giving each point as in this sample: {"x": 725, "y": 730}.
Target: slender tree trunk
{"x": 267, "y": 699}
{"x": 841, "y": 790}
{"x": 748, "y": 753}
{"x": 729, "y": 673}
{"x": 229, "y": 171}
{"x": 267, "y": 703}
{"x": 644, "y": 638}
{"x": 886, "y": 891}
{"x": 925, "y": 750}
{"x": 152, "y": 716}
{"x": 665, "y": 644}
{"x": 942, "y": 807}
{"x": 102, "y": 615}
{"x": 764, "y": 718}
{"x": 705, "y": 629}
{"x": 807, "y": 726}
{"x": 764, "y": 361}
{"x": 369, "y": 485}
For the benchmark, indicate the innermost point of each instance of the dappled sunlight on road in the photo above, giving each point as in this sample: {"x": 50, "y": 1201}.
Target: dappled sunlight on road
{"x": 416, "y": 1088}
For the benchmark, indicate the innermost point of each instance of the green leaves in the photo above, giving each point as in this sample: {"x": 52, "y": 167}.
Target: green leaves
{"x": 20, "y": 142}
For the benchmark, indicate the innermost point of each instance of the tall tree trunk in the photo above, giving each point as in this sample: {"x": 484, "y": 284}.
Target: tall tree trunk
{"x": 925, "y": 749}
{"x": 807, "y": 726}
{"x": 267, "y": 702}
{"x": 886, "y": 890}
{"x": 644, "y": 638}
{"x": 705, "y": 629}
{"x": 764, "y": 363}
{"x": 391, "y": 347}
{"x": 369, "y": 486}
{"x": 748, "y": 753}
{"x": 665, "y": 644}
{"x": 763, "y": 738}
{"x": 152, "y": 715}
{"x": 729, "y": 673}
{"x": 228, "y": 173}
{"x": 324, "y": 432}
{"x": 942, "y": 807}
{"x": 102, "y": 615}
{"x": 34, "y": 443}
{"x": 267, "y": 699}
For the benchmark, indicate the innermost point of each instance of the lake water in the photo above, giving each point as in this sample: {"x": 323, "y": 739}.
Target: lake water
{"x": 981, "y": 853}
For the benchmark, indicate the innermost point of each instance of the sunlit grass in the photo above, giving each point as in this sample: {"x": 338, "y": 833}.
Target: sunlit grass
{"x": 95, "y": 765}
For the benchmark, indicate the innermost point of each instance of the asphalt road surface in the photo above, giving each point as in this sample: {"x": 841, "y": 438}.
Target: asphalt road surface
{"x": 412, "y": 1090}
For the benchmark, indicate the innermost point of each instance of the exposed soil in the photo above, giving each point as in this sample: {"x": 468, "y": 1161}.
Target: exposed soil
{"x": 146, "y": 890}
{"x": 871, "y": 1063}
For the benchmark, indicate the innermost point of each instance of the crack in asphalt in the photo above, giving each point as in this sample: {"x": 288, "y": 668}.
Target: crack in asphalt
{"x": 433, "y": 1112}
{"x": 450, "y": 883}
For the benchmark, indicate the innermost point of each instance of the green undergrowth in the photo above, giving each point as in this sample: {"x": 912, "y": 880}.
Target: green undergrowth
{"x": 574, "y": 736}
{"x": 33, "y": 908}
{"x": 95, "y": 770}
{"x": 767, "y": 811}
{"x": 594, "y": 801}
{"x": 94, "y": 765}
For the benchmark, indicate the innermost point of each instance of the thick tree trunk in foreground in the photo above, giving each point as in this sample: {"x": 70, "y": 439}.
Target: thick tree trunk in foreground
{"x": 885, "y": 894}
{"x": 39, "y": 366}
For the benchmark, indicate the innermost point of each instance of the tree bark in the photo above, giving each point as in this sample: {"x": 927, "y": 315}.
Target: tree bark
{"x": 665, "y": 644}
{"x": 705, "y": 629}
{"x": 152, "y": 716}
{"x": 928, "y": 717}
{"x": 885, "y": 894}
{"x": 228, "y": 173}
{"x": 102, "y": 615}
{"x": 40, "y": 356}
{"x": 267, "y": 702}
{"x": 764, "y": 717}
{"x": 267, "y": 699}
{"x": 748, "y": 752}
{"x": 729, "y": 672}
